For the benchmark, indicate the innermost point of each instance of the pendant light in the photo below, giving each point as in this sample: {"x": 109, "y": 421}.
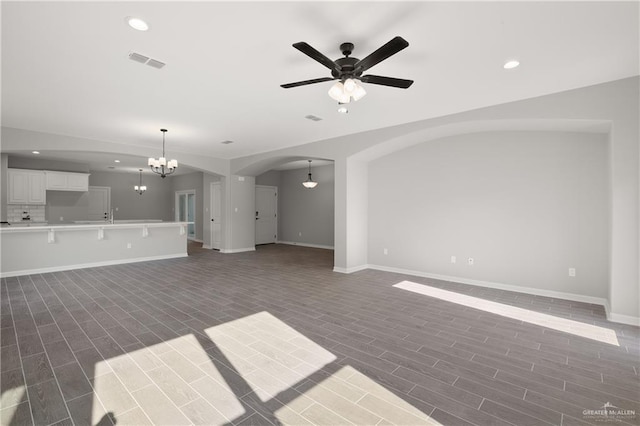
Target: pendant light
{"x": 140, "y": 188}
{"x": 160, "y": 165}
{"x": 309, "y": 183}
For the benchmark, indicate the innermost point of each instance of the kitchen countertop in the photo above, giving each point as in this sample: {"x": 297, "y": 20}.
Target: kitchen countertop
{"x": 36, "y": 226}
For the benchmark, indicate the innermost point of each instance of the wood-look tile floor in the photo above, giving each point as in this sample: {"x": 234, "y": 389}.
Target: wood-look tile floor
{"x": 275, "y": 337}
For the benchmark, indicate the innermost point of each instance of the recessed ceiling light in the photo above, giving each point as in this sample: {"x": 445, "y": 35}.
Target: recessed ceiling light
{"x": 137, "y": 23}
{"x": 35, "y": 152}
{"x": 343, "y": 110}
{"x": 509, "y": 65}
{"x": 116, "y": 161}
{"x": 226, "y": 142}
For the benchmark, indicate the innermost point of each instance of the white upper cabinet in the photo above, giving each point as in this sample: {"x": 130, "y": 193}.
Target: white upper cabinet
{"x": 26, "y": 187}
{"x": 65, "y": 181}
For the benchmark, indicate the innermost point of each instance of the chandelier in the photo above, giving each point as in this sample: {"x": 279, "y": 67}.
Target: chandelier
{"x": 140, "y": 188}
{"x": 160, "y": 165}
{"x": 309, "y": 183}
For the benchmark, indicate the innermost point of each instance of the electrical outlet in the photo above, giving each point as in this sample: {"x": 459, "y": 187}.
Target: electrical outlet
{"x": 572, "y": 272}
{"x": 128, "y": 245}
{"x": 470, "y": 261}
{"x": 453, "y": 259}
{"x": 299, "y": 234}
{"x": 61, "y": 218}
{"x": 385, "y": 251}
{"x": 116, "y": 209}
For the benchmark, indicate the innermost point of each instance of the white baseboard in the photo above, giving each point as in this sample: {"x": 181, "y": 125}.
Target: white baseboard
{"x": 88, "y": 265}
{"x": 293, "y": 243}
{"x": 613, "y": 317}
{"x": 623, "y": 319}
{"x": 619, "y": 318}
{"x": 498, "y": 286}
{"x": 350, "y": 270}
{"x": 240, "y": 250}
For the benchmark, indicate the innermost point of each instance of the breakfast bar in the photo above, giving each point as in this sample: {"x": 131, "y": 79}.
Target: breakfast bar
{"x": 49, "y": 248}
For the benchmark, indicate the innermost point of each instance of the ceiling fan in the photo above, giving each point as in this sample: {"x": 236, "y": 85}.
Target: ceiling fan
{"x": 349, "y": 70}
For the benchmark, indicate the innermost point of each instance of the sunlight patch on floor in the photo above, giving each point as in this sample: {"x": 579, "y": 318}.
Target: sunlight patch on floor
{"x": 9, "y": 403}
{"x": 267, "y": 353}
{"x": 161, "y": 384}
{"x": 256, "y": 361}
{"x": 350, "y": 397}
{"x": 576, "y": 328}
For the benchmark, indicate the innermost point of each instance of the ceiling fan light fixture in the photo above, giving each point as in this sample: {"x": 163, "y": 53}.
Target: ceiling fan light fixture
{"x": 350, "y": 86}
{"x": 359, "y": 93}
{"x": 336, "y": 91}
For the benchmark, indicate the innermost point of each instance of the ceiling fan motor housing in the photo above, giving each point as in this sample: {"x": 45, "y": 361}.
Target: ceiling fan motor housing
{"x": 347, "y": 68}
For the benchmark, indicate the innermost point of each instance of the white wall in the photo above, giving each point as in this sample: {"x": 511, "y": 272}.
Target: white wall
{"x": 526, "y": 206}
{"x": 155, "y": 203}
{"x": 309, "y": 212}
{"x": 4, "y": 165}
{"x": 270, "y": 178}
{"x": 68, "y": 205}
{"x": 239, "y": 195}
{"x": 614, "y": 104}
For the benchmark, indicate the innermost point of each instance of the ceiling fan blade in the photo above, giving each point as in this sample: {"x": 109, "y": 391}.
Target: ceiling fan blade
{"x": 317, "y": 56}
{"x": 304, "y": 83}
{"x": 391, "y": 48}
{"x": 386, "y": 81}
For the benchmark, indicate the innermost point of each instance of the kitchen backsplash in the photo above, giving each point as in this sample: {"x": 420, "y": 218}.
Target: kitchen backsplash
{"x": 16, "y": 213}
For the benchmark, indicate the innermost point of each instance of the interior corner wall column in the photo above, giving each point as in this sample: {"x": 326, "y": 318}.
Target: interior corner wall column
{"x": 624, "y": 294}
{"x": 351, "y": 216}
{"x": 4, "y": 165}
{"x": 239, "y": 213}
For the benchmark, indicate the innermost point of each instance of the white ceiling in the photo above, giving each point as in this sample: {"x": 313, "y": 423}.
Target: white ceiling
{"x": 65, "y": 66}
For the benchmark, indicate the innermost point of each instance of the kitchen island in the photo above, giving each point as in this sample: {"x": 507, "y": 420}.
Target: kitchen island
{"x": 37, "y": 249}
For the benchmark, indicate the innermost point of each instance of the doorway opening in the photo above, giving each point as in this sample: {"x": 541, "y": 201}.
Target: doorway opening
{"x": 186, "y": 211}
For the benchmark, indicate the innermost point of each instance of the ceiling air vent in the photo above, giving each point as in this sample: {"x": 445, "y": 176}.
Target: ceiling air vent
{"x": 138, "y": 57}
{"x": 146, "y": 60}
{"x": 155, "y": 64}
{"x": 226, "y": 142}
{"x": 312, "y": 118}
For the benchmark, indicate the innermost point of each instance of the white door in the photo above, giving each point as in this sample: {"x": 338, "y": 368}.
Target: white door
{"x": 186, "y": 210}
{"x": 99, "y": 202}
{"x": 266, "y": 214}
{"x": 216, "y": 216}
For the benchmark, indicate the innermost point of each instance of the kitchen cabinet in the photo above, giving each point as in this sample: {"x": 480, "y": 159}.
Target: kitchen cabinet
{"x": 65, "y": 181}
{"x": 26, "y": 187}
